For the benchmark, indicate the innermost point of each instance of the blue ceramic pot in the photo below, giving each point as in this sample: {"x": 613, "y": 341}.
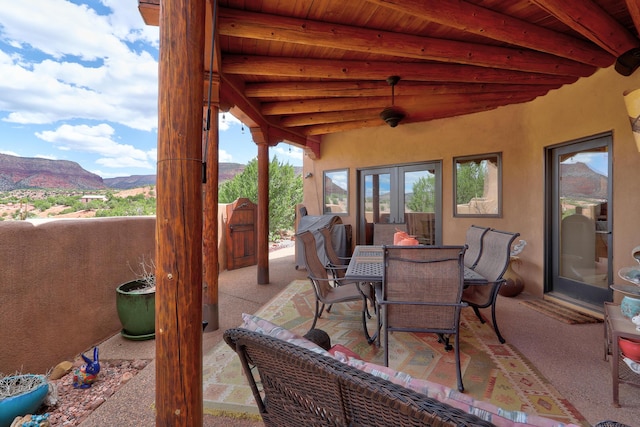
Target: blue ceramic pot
{"x": 22, "y": 404}
{"x": 630, "y": 306}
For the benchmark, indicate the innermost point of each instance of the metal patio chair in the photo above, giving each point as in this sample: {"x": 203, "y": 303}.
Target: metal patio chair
{"x": 493, "y": 262}
{"x": 329, "y": 290}
{"x": 474, "y": 245}
{"x": 421, "y": 292}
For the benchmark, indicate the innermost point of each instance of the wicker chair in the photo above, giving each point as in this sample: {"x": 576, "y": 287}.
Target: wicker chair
{"x": 421, "y": 292}
{"x": 493, "y": 262}
{"x": 474, "y": 245}
{"x": 328, "y": 290}
{"x": 294, "y": 386}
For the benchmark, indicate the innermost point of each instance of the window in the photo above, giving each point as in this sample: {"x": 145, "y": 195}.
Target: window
{"x": 336, "y": 192}
{"x": 477, "y": 183}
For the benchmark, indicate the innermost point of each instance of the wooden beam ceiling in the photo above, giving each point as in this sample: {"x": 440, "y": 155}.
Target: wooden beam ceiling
{"x": 296, "y": 70}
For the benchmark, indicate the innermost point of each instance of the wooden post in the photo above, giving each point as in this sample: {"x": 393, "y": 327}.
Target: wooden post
{"x": 179, "y": 215}
{"x": 263, "y": 213}
{"x": 210, "y": 312}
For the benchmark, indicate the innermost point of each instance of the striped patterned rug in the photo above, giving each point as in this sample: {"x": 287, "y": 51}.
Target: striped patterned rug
{"x": 560, "y": 312}
{"x": 492, "y": 372}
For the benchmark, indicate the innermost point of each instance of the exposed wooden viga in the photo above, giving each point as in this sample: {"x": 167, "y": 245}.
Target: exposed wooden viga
{"x": 296, "y": 70}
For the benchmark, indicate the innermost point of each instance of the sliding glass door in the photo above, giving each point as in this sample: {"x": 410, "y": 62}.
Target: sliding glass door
{"x": 580, "y": 213}
{"x": 407, "y": 195}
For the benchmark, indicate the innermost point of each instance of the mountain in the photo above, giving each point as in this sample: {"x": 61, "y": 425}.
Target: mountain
{"x": 226, "y": 171}
{"x": 18, "y": 173}
{"x": 133, "y": 181}
{"x": 26, "y": 172}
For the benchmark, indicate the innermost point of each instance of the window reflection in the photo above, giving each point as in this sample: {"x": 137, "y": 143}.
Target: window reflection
{"x": 336, "y": 192}
{"x": 478, "y": 183}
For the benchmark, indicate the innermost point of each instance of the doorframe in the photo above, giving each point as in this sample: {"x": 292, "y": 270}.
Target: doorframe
{"x": 394, "y": 172}
{"x": 550, "y": 241}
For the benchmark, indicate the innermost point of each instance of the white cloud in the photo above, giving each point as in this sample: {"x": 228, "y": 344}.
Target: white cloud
{"x": 226, "y": 120}
{"x": 99, "y": 140}
{"x": 78, "y": 65}
{"x": 46, "y": 156}
{"x": 287, "y": 153}
{"x": 224, "y": 157}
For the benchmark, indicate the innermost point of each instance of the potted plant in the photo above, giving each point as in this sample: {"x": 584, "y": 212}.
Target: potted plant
{"x": 514, "y": 283}
{"x": 136, "y": 303}
{"x": 21, "y": 395}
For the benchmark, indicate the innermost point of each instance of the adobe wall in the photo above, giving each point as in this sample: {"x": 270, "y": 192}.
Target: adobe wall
{"x": 57, "y": 285}
{"x": 520, "y": 132}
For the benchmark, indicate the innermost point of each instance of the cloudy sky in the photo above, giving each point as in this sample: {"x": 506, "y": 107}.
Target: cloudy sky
{"x": 79, "y": 82}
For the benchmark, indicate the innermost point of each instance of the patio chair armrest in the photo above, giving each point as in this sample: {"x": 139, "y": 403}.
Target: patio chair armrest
{"x": 460, "y": 304}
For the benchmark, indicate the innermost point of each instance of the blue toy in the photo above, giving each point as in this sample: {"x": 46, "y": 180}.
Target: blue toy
{"x": 87, "y": 374}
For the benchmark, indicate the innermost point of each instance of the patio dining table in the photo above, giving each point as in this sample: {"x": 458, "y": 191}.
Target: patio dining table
{"x": 367, "y": 265}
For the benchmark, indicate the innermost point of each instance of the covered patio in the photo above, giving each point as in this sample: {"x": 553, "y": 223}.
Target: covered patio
{"x": 515, "y": 78}
{"x": 590, "y": 394}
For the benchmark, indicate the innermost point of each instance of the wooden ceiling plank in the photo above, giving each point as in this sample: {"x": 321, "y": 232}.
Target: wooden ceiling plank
{"x": 298, "y": 120}
{"x": 485, "y": 22}
{"x": 634, "y": 10}
{"x": 359, "y": 70}
{"x": 150, "y": 11}
{"x": 319, "y": 106}
{"x": 362, "y": 89}
{"x": 429, "y": 105}
{"x": 458, "y": 110}
{"x": 588, "y": 19}
{"x": 242, "y": 24}
{"x": 248, "y": 113}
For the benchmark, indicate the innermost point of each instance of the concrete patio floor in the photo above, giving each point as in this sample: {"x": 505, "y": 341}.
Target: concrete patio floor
{"x": 569, "y": 356}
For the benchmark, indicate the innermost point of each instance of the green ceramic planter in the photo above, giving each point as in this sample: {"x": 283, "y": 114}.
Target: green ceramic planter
{"x": 136, "y": 310}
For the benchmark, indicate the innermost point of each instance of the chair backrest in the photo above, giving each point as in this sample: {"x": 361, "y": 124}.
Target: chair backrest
{"x": 474, "y": 245}
{"x": 333, "y": 256}
{"x": 317, "y": 272}
{"x": 422, "y": 287}
{"x": 383, "y": 232}
{"x": 299, "y": 387}
{"x": 496, "y": 253}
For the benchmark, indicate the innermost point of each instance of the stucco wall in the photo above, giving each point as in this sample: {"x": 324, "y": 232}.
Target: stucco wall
{"x": 57, "y": 285}
{"x": 521, "y": 132}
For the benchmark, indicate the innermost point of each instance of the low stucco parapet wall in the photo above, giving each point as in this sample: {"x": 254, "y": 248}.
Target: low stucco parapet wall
{"x": 57, "y": 285}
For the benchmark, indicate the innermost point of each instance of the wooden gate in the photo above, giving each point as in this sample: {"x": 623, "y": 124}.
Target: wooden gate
{"x": 241, "y": 234}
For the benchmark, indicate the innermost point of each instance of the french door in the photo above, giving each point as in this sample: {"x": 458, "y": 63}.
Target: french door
{"x": 580, "y": 230}
{"x": 404, "y": 194}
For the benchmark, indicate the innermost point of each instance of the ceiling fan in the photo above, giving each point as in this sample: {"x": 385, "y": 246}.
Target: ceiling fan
{"x": 392, "y": 115}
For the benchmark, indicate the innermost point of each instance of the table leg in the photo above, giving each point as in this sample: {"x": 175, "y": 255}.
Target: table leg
{"x": 615, "y": 366}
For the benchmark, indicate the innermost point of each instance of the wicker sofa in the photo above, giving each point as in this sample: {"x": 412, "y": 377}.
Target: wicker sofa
{"x": 298, "y": 387}
{"x": 298, "y": 382}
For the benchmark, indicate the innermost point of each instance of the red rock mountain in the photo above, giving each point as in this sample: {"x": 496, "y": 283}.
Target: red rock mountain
{"x": 26, "y": 172}
{"x": 18, "y": 173}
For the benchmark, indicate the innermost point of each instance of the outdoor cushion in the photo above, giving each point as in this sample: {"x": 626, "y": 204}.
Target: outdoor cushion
{"x": 464, "y": 402}
{"x": 257, "y": 324}
{"x": 343, "y": 353}
{"x": 481, "y": 409}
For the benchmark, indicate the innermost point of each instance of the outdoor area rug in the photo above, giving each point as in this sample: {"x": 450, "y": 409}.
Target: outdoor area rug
{"x": 560, "y": 312}
{"x": 492, "y": 372}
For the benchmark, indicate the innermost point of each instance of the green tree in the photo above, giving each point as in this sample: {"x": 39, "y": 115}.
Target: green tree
{"x": 423, "y": 195}
{"x": 469, "y": 181}
{"x": 285, "y": 191}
